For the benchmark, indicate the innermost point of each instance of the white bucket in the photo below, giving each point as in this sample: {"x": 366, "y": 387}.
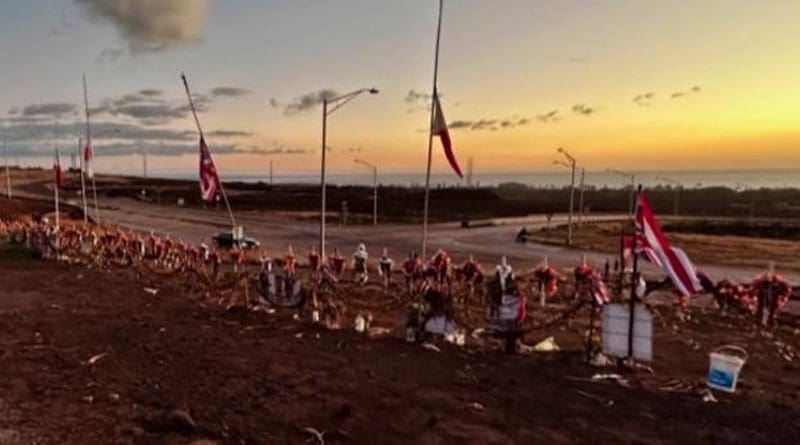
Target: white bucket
{"x": 725, "y": 363}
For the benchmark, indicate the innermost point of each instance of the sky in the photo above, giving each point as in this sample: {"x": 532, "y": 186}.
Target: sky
{"x": 656, "y": 85}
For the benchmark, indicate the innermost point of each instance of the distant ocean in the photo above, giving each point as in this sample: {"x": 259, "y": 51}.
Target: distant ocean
{"x": 785, "y": 178}
{"x": 750, "y": 179}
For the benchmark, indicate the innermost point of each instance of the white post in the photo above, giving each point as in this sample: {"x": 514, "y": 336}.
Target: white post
{"x": 322, "y": 185}
{"x": 375, "y": 196}
{"x": 83, "y": 183}
{"x": 55, "y": 190}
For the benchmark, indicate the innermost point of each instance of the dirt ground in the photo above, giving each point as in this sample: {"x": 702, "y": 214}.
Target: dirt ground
{"x": 87, "y": 355}
{"x": 257, "y": 378}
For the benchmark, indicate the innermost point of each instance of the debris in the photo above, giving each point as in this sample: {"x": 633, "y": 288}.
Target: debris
{"x": 708, "y": 396}
{"x": 431, "y": 347}
{"x": 316, "y": 434}
{"x": 477, "y": 406}
{"x": 547, "y": 345}
{"x": 87, "y": 399}
{"x": 114, "y": 397}
{"x": 180, "y": 420}
{"x": 608, "y": 402}
{"x": 613, "y": 377}
{"x": 151, "y": 290}
{"x": 600, "y": 360}
{"x": 378, "y": 331}
{"x": 298, "y": 335}
{"x": 95, "y": 358}
{"x": 477, "y": 333}
{"x": 456, "y": 338}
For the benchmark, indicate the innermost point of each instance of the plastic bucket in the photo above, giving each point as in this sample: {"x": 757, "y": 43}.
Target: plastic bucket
{"x": 725, "y": 363}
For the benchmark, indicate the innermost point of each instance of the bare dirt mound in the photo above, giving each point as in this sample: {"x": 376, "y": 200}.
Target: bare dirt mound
{"x": 89, "y": 357}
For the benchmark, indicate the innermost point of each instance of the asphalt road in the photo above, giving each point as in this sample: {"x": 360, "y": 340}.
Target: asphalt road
{"x": 276, "y": 232}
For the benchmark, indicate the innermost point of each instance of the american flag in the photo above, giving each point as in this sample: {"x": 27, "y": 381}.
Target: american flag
{"x": 651, "y": 242}
{"x": 209, "y": 179}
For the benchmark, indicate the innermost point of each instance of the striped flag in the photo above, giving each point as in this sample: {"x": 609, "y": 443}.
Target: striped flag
{"x": 439, "y": 128}
{"x": 209, "y": 179}
{"x": 88, "y": 160}
{"x": 58, "y": 172}
{"x": 651, "y": 242}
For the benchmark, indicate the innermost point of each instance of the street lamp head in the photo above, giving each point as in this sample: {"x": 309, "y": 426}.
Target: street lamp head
{"x": 373, "y": 90}
{"x": 561, "y": 149}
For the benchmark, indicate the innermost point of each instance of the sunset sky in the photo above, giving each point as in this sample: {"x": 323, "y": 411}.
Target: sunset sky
{"x": 679, "y": 84}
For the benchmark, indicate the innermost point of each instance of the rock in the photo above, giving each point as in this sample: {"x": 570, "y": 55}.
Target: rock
{"x": 180, "y": 420}
{"x": 203, "y": 442}
{"x": 9, "y": 437}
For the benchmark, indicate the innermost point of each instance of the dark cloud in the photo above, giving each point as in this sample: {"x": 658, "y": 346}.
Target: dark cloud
{"x": 274, "y": 102}
{"x": 644, "y": 99}
{"x": 416, "y": 97}
{"x": 229, "y": 134}
{"x": 109, "y": 55}
{"x": 550, "y": 116}
{"x": 151, "y": 92}
{"x": 354, "y": 149}
{"x": 152, "y": 25}
{"x": 583, "y": 109}
{"x": 272, "y": 150}
{"x": 487, "y": 124}
{"x": 229, "y": 92}
{"x": 13, "y": 111}
{"x": 308, "y": 101}
{"x": 677, "y": 94}
{"x": 695, "y": 89}
{"x": 53, "y": 109}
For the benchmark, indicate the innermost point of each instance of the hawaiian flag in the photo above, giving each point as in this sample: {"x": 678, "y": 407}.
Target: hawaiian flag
{"x": 651, "y": 242}
{"x": 88, "y": 160}
{"x": 439, "y": 128}
{"x": 59, "y": 174}
{"x": 209, "y": 179}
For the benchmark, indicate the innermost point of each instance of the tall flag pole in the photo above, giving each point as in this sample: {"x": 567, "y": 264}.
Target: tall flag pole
{"x": 88, "y": 153}
{"x": 83, "y": 182}
{"x": 8, "y": 175}
{"x": 209, "y": 178}
{"x": 438, "y": 126}
{"x": 58, "y": 183}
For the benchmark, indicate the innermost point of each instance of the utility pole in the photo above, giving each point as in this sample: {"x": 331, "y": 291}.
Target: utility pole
{"x": 571, "y": 165}
{"x": 580, "y": 197}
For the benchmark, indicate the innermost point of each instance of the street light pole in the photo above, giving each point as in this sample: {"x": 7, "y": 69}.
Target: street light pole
{"x": 8, "y": 175}
{"x": 374, "y": 189}
{"x": 580, "y": 197}
{"x": 571, "y": 164}
{"x": 338, "y": 102}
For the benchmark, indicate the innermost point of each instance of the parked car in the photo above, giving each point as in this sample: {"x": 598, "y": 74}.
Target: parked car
{"x": 224, "y": 240}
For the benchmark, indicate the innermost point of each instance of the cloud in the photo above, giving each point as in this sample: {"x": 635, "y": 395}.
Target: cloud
{"x": 272, "y": 150}
{"x": 550, "y": 116}
{"x": 308, "y": 101}
{"x": 490, "y": 124}
{"x": 274, "y": 102}
{"x": 109, "y": 55}
{"x": 53, "y": 109}
{"x": 644, "y": 99}
{"x": 151, "y": 92}
{"x": 695, "y": 89}
{"x": 677, "y": 94}
{"x": 229, "y": 92}
{"x": 416, "y": 97}
{"x": 229, "y": 134}
{"x": 583, "y": 109}
{"x": 152, "y": 25}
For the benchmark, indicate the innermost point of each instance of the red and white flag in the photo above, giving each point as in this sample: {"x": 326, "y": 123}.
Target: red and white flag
{"x": 209, "y": 179}
{"x": 439, "y": 128}
{"x": 88, "y": 161}
{"x": 652, "y": 243}
{"x": 59, "y": 174}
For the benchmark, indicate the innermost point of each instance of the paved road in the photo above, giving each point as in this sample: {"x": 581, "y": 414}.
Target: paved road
{"x": 276, "y": 232}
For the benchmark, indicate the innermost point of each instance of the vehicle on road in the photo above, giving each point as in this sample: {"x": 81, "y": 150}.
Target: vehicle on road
{"x": 225, "y": 240}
